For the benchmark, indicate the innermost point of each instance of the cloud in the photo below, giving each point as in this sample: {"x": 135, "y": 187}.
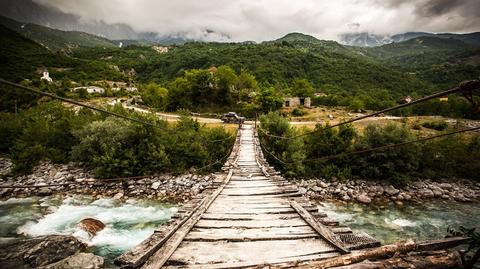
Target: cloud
{"x": 260, "y": 20}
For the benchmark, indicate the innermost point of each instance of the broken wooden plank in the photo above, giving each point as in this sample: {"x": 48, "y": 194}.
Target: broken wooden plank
{"x": 165, "y": 251}
{"x": 323, "y": 231}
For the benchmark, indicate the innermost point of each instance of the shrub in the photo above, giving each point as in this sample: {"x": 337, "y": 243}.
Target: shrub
{"x": 116, "y": 147}
{"x": 291, "y": 152}
{"x": 397, "y": 164}
{"x": 298, "y": 112}
{"x": 46, "y": 132}
{"x": 436, "y": 125}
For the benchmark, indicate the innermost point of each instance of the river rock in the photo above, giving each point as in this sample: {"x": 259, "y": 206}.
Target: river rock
{"x": 39, "y": 251}
{"x": 390, "y": 190}
{"x": 91, "y": 226}
{"x": 79, "y": 260}
{"x": 118, "y": 196}
{"x": 363, "y": 198}
{"x": 322, "y": 184}
{"x": 445, "y": 186}
{"x": 426, "y": 193}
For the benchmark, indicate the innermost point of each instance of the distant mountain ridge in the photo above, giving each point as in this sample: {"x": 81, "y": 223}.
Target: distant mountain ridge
{"x": 53, "y": 39}
{"x": 365, "y": 39}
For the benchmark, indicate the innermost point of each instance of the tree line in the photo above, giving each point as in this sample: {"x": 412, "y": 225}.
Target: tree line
{"x": 304, "y": 156}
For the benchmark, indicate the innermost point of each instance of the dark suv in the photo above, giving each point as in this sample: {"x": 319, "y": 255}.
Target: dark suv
{"x": 232, "y": 117}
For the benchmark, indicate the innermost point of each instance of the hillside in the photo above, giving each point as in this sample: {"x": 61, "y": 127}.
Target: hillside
{"x": 418, "y": 45}
{"x": 56, "y": 40}
{"x": 292, "y": 37}
{"x": 365, "y": 39}
{"x": 23, "y": 58}
{"x": 328, "y": 65}
{"x": 441, "y": 62}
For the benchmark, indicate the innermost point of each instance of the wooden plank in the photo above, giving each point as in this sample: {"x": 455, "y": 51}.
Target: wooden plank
{"x": 252, "y": 234}
{"x": 195, "y": 253}
{"x": 323, "y": 231}
{"x": 215, "y": 216}
{"x": 158, "y": 259}
{"x": 289, "y": 194}
{"x": 240, "y": 210}
{"x": 140, "y": 253}
{"x": 205, "y": 223}
{"x": 274, "y": 263}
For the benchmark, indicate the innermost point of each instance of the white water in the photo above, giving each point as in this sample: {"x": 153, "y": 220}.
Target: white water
{"x": 390, "y": 223}
{"x": 127, "y": 223}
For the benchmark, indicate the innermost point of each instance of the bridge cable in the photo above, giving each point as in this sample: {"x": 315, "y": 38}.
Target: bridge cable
{"x": 66, "y": 100}
{"x": 463, "y": 87}
{"x": 335, "y": 156}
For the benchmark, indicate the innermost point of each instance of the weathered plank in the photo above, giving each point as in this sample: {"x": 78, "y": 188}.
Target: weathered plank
{"x": 323, "y": 231}
{"x": 165, "y": 251}
{"x": 252, "y": 234}
{"x": 287, "y": 262}
{"x": 296, "y": 222}
{"x": 252, "y": 251}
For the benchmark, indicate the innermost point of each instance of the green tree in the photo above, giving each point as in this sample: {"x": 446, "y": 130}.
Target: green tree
{"x": 270, "y": 100}
{"x": 397, "y": 164}
{"x": 302, "y": 88}
{"x": 154, "y": 96}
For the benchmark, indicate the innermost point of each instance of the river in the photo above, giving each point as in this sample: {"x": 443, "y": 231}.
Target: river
{"x": 128, "y": 223}
{"x": 392, "y": 222}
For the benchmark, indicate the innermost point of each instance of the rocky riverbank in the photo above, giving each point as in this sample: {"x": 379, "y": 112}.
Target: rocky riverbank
{"x": 48, "y": 178}
{"x": 370, "y": 191}
{"x": 48, "y": 252}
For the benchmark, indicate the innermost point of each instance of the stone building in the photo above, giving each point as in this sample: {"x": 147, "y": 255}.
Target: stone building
{"x": 296, "y": 101}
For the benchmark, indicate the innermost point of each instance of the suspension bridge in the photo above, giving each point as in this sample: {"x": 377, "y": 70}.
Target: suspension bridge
{"x": 253, "y": 217}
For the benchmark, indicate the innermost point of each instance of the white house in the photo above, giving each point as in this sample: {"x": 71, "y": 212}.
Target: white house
{"x": 91, "y": 89}
{"x": 46, "y": 77}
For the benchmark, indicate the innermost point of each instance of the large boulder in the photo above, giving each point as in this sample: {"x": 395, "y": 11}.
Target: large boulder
{"x": 39, "y": 251}
{"x": 79, "y": 260}
{"x": 91, "y": 226}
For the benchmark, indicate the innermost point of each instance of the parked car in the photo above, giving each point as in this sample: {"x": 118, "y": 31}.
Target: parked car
{"x": 232, "y": 117}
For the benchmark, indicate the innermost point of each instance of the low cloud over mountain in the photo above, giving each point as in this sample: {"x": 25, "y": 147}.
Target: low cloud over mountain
{"x": 222, "y": 20}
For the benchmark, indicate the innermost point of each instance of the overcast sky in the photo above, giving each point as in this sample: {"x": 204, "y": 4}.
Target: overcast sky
{"x": 261, "y": 20}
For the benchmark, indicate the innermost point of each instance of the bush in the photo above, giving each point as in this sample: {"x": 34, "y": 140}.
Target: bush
{"x": 397, "y": 164}
{"x": 43, "y": 132}
{"x": 436, "y": 125}
{"x": 111, "y": 146}
{"x": 291, "y": 152}
{"x": 325, "y": 142}
{"x": 298, "y": 112}
{"x": 116, "y": 147}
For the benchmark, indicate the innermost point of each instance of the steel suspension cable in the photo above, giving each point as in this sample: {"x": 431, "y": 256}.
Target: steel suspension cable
{"x": 335, "y": 156}
{"x": 464, "y": 86}
{"x": 110, "y": 113}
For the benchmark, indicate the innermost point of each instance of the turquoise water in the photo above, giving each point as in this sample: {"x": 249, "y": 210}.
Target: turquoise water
{"x": 391, "y": 222}
{"x": 127, "y": 223}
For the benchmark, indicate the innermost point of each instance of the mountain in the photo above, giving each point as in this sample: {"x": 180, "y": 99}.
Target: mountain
{"x": 292, "y": 37}
{"x": 23, "y": 58}
{"x": 56, "y": 40}
{"x": 31, "y": 12}
{"x": 419, "y": 45}
{"x": 365, "y": 39}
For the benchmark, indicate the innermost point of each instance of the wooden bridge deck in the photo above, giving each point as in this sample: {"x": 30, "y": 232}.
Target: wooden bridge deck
{"x": 254, "y": 217}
